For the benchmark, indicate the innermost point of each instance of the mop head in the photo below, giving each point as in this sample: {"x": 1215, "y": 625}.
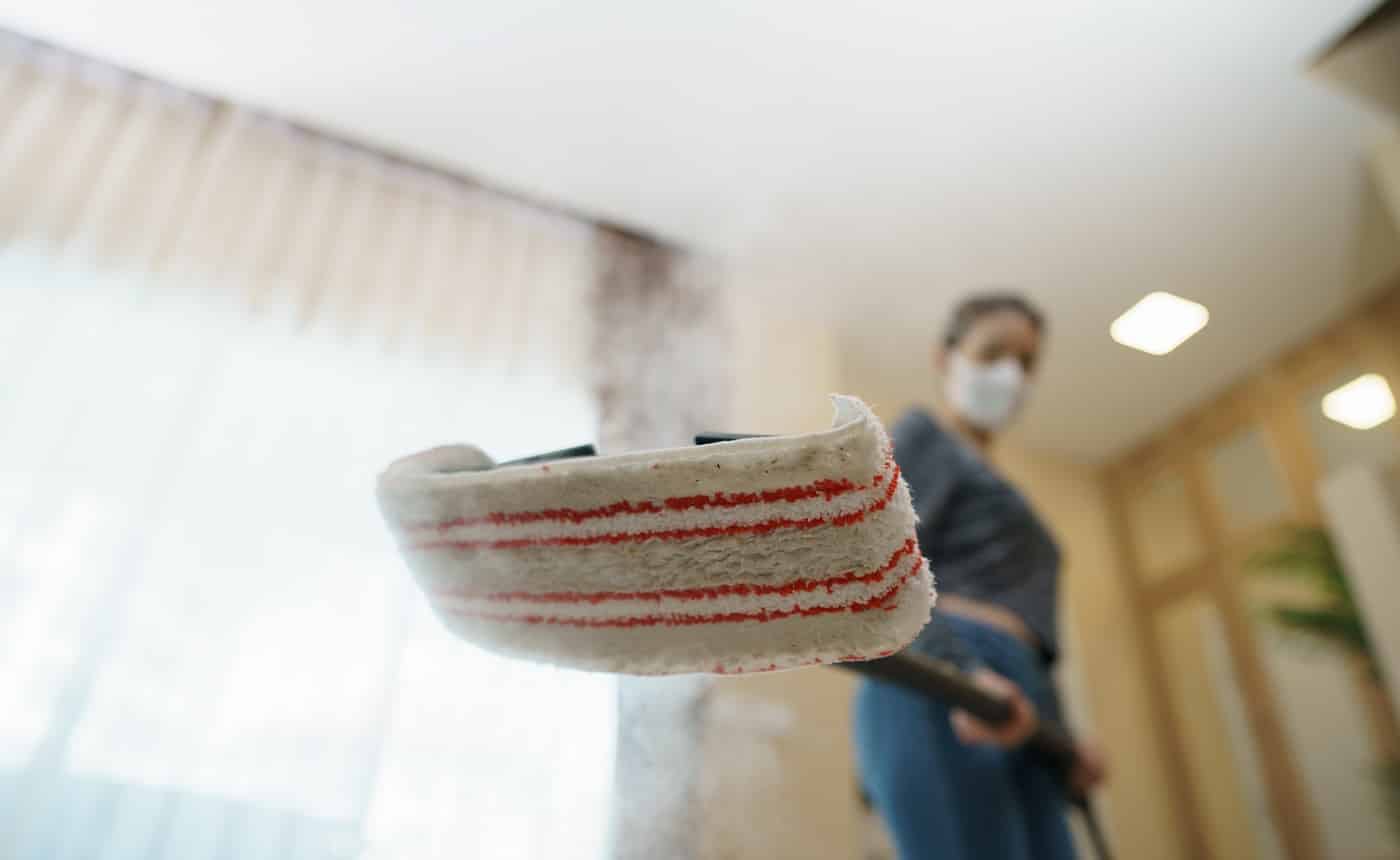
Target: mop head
{"x": 754, "y": 555}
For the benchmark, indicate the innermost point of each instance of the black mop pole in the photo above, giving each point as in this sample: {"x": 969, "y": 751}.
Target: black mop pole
{"x": 943, "y": 681}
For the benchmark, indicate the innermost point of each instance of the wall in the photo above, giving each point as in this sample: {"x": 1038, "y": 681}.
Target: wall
{"x": 1308, "y": 726}
{"x": 784, "y": 785}
{"x": 1101, "y": 675}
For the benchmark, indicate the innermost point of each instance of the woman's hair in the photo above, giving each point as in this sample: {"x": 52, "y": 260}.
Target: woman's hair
{"x": 978, "y": 305}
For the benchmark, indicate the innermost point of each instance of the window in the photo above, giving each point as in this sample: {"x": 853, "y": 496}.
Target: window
{"x": 208, "y": 645}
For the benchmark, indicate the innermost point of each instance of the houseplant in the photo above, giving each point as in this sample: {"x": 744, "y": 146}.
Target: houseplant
{"x": 1325, "y": 613}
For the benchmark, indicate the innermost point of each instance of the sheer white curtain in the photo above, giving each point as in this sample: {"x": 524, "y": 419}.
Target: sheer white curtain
{"x": 213, "y": 332}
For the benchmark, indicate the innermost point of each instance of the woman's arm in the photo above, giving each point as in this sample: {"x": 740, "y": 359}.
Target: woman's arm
{"x": 933, "y": 463}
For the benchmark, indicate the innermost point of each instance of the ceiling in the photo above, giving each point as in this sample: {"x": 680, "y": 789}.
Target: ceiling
{"x": 873, "y": 159}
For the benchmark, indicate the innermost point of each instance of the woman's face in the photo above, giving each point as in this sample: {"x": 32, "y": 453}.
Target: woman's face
{"x": 986, "y": 373}
{"x": 998, "y": 335}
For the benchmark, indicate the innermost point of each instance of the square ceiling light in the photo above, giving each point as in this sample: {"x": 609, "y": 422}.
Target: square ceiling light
{"x": 1159, "y": 323}
{"x": 1363, "y": 403}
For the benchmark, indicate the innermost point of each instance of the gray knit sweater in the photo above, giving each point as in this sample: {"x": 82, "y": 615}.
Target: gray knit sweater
{"x": 980, "y": 536}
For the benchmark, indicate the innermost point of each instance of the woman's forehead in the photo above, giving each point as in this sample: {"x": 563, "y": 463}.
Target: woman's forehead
{"x": 1003, "y": 325}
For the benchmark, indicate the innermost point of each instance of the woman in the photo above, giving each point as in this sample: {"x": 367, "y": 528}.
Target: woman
{"x": 948, "y": 786}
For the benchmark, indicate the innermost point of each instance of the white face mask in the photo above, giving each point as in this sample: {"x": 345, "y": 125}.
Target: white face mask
{"x": 987, "y": 395}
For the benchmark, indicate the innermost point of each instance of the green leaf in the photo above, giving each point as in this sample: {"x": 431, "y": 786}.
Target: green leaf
{"x": 1306, "y": 554}
{"x": 1333, "y": 626}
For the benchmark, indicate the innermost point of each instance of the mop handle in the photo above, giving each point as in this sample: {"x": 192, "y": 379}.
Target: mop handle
{"x": 943, "y": 681}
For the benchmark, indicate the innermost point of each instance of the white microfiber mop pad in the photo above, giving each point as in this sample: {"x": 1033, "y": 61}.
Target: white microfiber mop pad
{"x": 754, "y": 555}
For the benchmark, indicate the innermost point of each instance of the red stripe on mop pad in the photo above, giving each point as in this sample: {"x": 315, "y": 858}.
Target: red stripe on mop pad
{"x": 787, "y": 589}
{"x": 825, "y": 488}
{"x": 615, "y": 538}
{"x": 878, "y": 601}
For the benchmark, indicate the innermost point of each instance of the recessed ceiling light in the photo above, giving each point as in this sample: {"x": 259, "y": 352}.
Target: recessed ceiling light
{"x": 1159, "y": 323}
{"x": 1363, "y": 403}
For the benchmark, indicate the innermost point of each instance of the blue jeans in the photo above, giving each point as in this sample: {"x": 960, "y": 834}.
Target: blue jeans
{"x": 946, "y": 801}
